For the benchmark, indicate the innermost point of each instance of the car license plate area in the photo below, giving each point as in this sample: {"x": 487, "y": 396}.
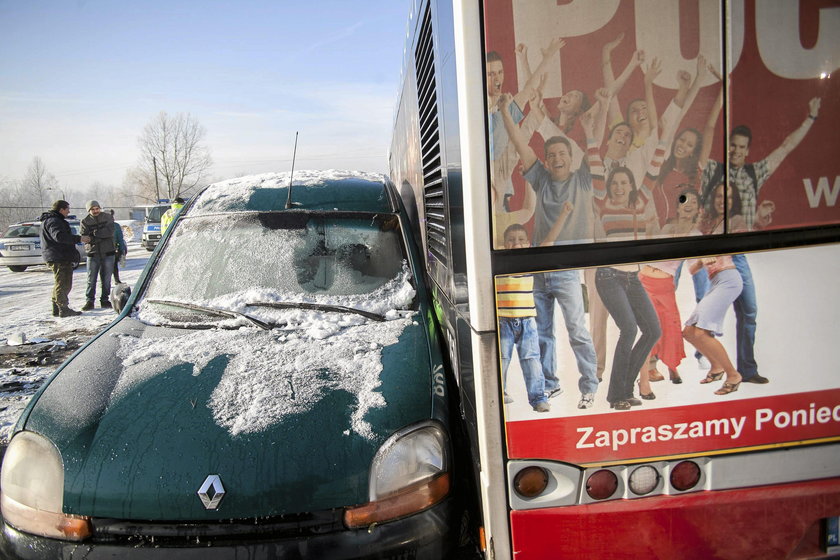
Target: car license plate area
{"x": 20, "y": 247}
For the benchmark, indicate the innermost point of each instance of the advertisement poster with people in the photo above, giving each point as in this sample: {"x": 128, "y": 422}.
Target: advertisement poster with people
{"x": 607, "y": 119}
{"x": 647, "y": 365}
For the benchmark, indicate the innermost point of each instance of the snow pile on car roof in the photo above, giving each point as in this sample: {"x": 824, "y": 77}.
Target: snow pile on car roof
{"x": 236, "y": 193}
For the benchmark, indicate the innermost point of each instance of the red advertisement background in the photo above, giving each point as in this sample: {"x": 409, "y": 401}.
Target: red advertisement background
{"x": 558, "y": 438}
{"x": 773, "y": 107}
{"x": 770, "y": 105}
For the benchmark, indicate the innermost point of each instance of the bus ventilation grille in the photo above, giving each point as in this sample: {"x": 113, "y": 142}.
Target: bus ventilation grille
{"x": 434, "y": 202}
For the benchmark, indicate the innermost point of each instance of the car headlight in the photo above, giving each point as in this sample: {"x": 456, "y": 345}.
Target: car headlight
{"x": 408, "y": 474}
{"x": 32, "y": 495}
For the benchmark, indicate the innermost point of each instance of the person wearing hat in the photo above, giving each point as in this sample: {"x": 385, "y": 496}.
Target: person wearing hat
{"x": 170, "y": 214}
{"x": 60, "y": 254}
{"x": 101, "y": 251}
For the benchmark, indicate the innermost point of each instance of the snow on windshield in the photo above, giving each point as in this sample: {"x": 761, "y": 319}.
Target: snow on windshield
{"x": 230, "y": 260}
{"x": 272, "y": 374}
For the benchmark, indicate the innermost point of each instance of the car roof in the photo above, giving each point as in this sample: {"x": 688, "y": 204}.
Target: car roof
{"x": 348, "y": 191}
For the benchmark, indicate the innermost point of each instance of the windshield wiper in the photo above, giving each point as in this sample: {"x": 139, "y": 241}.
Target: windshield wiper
{"x": 213, "y": 311}
{"x": 318, "y": 307}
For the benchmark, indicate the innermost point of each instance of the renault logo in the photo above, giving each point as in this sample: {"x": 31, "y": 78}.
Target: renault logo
{"x": 211, "y": 492}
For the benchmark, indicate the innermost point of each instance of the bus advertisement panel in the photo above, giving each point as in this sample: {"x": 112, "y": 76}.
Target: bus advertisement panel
{"x": 632, "y": 94}
{"x": 634, "y": 380}
{"x": 653, "y": 398}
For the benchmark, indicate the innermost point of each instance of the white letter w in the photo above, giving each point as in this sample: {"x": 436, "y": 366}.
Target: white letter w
{"x": 830, "y": 193}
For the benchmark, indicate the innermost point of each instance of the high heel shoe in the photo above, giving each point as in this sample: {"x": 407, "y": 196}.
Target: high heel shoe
{"x": 712, "y": 377}
{"x": 654, "y": 375}
{"x": 728, "y": 388}
{"x": 648, "y": 397}
{"x": 675, "y": 376}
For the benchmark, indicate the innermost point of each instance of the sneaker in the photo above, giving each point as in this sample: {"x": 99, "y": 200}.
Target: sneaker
{"x": 703, "y": 363}
{"x": 586, "y": 400}
{"x": 554, "y": 392}
{"x": 87, "y": 306}
{"x": 105, "y": 304}
{"x": 508, "y": 399}
{"x": 760, "y": 379}
{"x": 542, "y": 406}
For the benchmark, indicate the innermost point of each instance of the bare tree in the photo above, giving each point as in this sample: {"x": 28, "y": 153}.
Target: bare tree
{"x": 37, "y": 182}
{"x": 12, "y": 207}
{"x": 173, "y": 157}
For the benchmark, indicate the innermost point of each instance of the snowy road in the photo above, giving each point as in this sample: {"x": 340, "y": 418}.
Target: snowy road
{"x": 25, "y": 314}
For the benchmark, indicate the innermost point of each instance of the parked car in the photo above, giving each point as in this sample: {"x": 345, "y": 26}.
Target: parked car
{"x": 20, "y": 246}
{"x": 273, "y": 387}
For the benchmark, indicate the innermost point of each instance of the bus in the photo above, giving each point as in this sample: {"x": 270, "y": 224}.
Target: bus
{"x": 607, "y": 193}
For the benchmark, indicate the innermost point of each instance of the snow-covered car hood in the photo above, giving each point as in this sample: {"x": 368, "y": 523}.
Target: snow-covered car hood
{"x": 144, "y": 414}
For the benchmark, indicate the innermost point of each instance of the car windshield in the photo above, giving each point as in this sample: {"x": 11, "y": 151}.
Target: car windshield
{"x": 153, "y": 214}
{"x": 23, "y": 230}
{"x": 249, "y": 262}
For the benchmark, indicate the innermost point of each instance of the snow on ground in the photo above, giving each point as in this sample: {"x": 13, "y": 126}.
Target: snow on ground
{"x": 26, "y": 315}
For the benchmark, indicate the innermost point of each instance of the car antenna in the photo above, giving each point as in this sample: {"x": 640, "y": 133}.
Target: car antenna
{"x": 291, "y": 175}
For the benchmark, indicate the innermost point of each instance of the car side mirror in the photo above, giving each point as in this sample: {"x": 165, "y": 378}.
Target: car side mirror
{"x": 119, "y": 296}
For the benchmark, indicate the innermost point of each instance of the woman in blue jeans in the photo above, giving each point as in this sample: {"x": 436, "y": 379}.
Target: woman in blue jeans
{"x": 626, "y": 213}
{"x": 630, "y": 307}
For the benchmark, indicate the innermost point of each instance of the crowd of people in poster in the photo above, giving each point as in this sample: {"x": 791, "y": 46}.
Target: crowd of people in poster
{"x": 640, "y": 175}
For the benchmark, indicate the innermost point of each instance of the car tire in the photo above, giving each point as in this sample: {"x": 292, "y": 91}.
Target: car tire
{"x": 17, "y": 268}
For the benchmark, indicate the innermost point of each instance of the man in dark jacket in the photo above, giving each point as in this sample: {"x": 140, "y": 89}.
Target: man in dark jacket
{"x": 59, "y": 250}
{"x": 100, "y": 249}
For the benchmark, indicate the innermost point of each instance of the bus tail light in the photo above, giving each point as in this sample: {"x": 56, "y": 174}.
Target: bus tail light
{"x": 643, "y": 480}
{"x": 685, "y": 475}
{"x": 601, "y": 484}
{"x": 530, "y": 482}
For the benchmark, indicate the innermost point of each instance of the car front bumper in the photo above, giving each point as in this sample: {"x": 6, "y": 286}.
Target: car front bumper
{"x": 427, "y": 534}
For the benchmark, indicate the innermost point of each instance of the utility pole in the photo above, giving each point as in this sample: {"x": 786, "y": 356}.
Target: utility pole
{"x": 157, "y": 189}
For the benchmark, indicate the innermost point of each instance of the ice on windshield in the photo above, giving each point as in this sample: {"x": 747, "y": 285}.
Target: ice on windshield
{"x": 229, "y": 261}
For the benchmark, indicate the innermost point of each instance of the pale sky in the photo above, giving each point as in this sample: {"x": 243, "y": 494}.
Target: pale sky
{"x": 80, "y": 79}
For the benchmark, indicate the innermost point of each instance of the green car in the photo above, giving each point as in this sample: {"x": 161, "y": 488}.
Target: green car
{"x": 273, "y": 388}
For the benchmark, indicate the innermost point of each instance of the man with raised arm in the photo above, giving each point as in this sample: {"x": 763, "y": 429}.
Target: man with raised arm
{"x": 501, "y": 153}
{"x": 748, "y": 178}
{"x": 564, "y": 210}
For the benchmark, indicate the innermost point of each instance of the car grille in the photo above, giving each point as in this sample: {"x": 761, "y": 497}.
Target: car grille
{"x": 190, "y": 533}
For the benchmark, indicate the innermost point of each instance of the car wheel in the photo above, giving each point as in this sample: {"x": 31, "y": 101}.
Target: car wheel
{"x": 17, "y": 268}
